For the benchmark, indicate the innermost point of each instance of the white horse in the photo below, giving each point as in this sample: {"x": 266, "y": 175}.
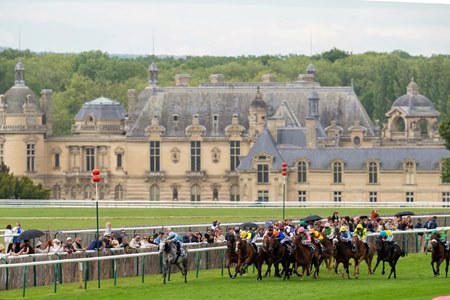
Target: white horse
{"x": 169, "y": 254}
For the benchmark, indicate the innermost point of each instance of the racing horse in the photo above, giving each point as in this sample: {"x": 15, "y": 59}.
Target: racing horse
{"x": 358, "y": 255}
{"x": 231, "y": 256}
{"x": 342, "y": 254}
{"x": 438, "y": 254}
{"x": 304, "y": 258}
{"x": 327, "y": 255}
{"x": 278, "y": 253}
{"x": 247, "y": 255}
{"x": 168, "y": 250}
{"x": 388, "y": 252}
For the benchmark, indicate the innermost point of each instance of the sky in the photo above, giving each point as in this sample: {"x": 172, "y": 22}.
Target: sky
{"x": 227, "y": 27}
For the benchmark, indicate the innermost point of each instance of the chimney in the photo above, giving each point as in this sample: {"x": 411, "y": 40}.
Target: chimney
{"x": 216, "y": 78}
{"x": 311, "y": 142}
{"x": 131, "y": 103}
{"x": 183, "y": 80}
{"x": 266, "y": 78}
{"x": 47, "y": 119}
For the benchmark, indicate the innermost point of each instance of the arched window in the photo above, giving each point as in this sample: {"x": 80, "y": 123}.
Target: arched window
{"x": 337, "y": 168}
{"x": 410, "y": 172}
{"x": 398, "y": 124}
{"x": 373, "y": 172}
{"x": 215, "y": 194}
{"x": 88, "y": 192}
{"x": 56, "y": 192}
{"x": 118, "y": 192}
{"x": 154, "y": 193}
{"x": 302, "y": 172}
{"x": 195, "y": 193}
{"x": 234, "y": 193}
{"x": 423, "y": 125}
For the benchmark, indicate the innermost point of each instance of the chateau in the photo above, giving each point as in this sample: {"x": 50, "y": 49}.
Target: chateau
{"x": 225, "y": 141}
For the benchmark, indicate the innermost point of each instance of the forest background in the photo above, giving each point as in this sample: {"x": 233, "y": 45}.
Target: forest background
{"x": 378, "y": 78}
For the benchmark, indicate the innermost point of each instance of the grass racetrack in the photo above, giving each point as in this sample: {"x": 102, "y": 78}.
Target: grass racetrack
{"x": 414, "y": 281}
{"x": 79, "y": 218}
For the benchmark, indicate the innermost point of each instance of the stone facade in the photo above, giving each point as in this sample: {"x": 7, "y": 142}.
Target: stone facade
{"x": 224, "y": 141}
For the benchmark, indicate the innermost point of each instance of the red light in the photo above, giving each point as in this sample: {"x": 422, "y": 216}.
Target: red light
{"x": 284, "y": 169}
{"x": 96, "y": 178}
{"x": 95, "y": 172}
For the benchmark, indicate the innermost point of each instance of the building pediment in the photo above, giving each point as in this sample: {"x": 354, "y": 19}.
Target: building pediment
{"x": 395, "y": 112}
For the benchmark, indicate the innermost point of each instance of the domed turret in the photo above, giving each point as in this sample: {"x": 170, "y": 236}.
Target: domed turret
{"x": 413, "y": 99}
{"x": 258, "y": 102}
{"x": 257, "y": 115}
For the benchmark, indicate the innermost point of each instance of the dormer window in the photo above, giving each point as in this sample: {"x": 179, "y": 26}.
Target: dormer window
{"x": 175, "y": 117}
{"x": 90, "y": 120}
{"x": 215, "y": 118}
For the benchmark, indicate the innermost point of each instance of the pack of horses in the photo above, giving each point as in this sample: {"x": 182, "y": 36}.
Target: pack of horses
{"x": 301, "y": 259}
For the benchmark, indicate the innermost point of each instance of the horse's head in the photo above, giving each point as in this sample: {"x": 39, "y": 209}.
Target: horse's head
{"x": 434, "y": 243}
{"x": 161, "y": 246}
{"x": 231, "y": 240}
{"x": 237, "y": 244}
{"x": 272, "y": 244}
{"x": 379, "y": 243}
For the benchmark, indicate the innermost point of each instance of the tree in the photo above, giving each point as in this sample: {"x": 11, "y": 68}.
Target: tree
{"x": 13, "y": 187}
{"x": 444, "y": 132}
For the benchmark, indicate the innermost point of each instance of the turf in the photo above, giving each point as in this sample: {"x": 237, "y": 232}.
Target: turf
{"x": 79, "y": 218}
{"x": 414, "y": 281}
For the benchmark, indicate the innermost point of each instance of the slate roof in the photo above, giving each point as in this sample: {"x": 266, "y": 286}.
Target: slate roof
{"x": 336, "y": 103}
{"x": 356, "y": 158}
{"x": 16, "y": 97}
{"x": 103, "y": 109}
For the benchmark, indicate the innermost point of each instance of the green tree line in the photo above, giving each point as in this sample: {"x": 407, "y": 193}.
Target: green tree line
{"x": 14, "y": 187}
{"x": 378, "y": 78}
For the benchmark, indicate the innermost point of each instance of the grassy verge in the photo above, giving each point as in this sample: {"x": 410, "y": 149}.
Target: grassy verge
{"x": 414, "y": 281}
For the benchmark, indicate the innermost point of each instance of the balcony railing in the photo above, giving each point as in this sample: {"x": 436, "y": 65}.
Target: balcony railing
{"x": 23, "y": 127}
{"x": 195, "y": 175}
{"x": 109, "y": 128}
{"x": 161, "y": 175}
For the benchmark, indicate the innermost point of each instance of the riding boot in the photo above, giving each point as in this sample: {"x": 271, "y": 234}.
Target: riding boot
{"x": 353, "y": 248}
{"x": 178, "y": 248}
{"x": 311, "y": 247}
{"x": 322, "y": 248}
{"x": 367, "y": 248}
{"x": 256, "y": 248}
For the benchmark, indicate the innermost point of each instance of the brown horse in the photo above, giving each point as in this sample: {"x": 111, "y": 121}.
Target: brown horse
{"x": 247, "y": 255}
{"x": 369, "y": 257}
{"x": 438, "y": 254}
{"x": 327, "y": 255}
{"x": 304, "y": 258}
{"x": 343, "y": 254}
{"x": 359, "y": 255}
{"x": 231, "y": 256}
{"x": 278, "y": 253}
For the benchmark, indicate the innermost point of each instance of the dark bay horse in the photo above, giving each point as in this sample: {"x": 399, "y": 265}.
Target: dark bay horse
{"x": 342, "y": 254}
{"x": 169, "y": 254}
{"x": 327, "y": 255}
{"x": 387, "y": 253}
{"x": 304, "y": 258}
{"x": 359, "y": 255}
{"x": 231, "y": 256}
{"x": 438, "y": 254}
{"x": 278, "y": 253}
{"x": 247, "y": 255}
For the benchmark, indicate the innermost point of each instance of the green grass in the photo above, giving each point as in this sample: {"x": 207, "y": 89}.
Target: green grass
{"x": 414, "y": 281}
{"x": 79, "y": 218}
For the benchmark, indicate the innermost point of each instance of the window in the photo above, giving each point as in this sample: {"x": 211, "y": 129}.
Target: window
{"x": 337, "y": 196}
{"x": 301, "y": 196}
{"x": 263, "y": 196}
{"x": 215, "y": 122}
{"x": 30, "y": 157}
{"x": 263, "y": 173}
{"x": 90, "y": 159}
{"x": 119, "y": 160}
{"x": 357, "y": 141}
{"x": 175, "y": 118}
{"x": 88, "y": 193}
{"x": 56, "y": 192}
{"x": 118, "y": 192}
{"x": 235, "y": 153}
{"x": 154, "y": 193}
{"x": 195, "y": 156}
{"x": 446, "y": 199}
{"x": 73, "y": 192}
{"x": 373, "y": 196}
{"x": 409, "y": 172}
{"x": 174, "y": 194}
{"x": 57, "y": 159}
{"x": 337, "y": 172}
{"x": 409, "y": 196}
{"x": 302, "y": 169}
{"x": 215, "y": 195}
{"x": 373, "y": 172}
{"x": 1, "y": 154}
{"x": 234, "y": 193}
{"x": 154, "y": 156}
{"x": 195, "y": 193}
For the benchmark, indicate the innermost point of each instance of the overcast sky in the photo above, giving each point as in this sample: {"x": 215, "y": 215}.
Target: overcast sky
{"x": 227, "y": 27}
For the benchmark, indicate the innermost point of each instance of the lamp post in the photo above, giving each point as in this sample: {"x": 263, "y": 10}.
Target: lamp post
{"x": 284, "y": 174}
{"x": 96, "y": 179}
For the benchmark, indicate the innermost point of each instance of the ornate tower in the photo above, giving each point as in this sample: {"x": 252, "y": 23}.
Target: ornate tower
{"x": 257, "y": 116}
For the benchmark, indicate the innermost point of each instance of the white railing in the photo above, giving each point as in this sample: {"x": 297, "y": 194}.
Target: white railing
{"x": 21, "y": 203}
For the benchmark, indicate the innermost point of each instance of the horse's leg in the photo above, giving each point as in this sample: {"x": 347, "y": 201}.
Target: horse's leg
{"x": 376, "y": 265}
{"x": 446, "y": 266}
{"x": 382, "y": 272}
{"x": 269, "y": 266}
{"x": 392, "y": 269}
{"x": 432, "y": 266}
{"x": 336, "y": 264}
{"x": 346, "y": 264}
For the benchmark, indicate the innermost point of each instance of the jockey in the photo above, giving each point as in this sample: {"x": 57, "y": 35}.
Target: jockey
{"x": 305, "y": 237}
{"x": 388, "y": 236}
{"x": 345, "y": 234}
{"x": 283, "y": 239}
{"x": 250, "y": 236}
{"x": 328, "y": 231}
{"x": 441, "y": 239}
{"x": 317, "y": 236}
{"x": 269, "y": 231}
{"x": 361, "y": 233}
{"x": 173, "y": 236}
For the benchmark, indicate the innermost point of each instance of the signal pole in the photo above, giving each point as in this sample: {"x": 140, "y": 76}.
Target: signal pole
{"x": 96, "y": 179}
{"x": 284, "y": 174}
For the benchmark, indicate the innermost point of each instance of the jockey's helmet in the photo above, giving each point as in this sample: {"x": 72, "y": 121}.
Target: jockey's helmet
{"x": 343, "y": 229}
{"x": 243, "y": 235}
{"x": 383, "y": 233}
{"x": 301, "y": 229}
{"x": 359, "y": 226}
{"x": 435, "y": 231}
{"x": 326, "y": 225}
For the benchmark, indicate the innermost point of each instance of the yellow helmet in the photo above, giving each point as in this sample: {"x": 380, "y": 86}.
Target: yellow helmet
{"x": 343, "y": 228}
{"x": 243, "y": 235}
{"x": 359, "y": 226}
